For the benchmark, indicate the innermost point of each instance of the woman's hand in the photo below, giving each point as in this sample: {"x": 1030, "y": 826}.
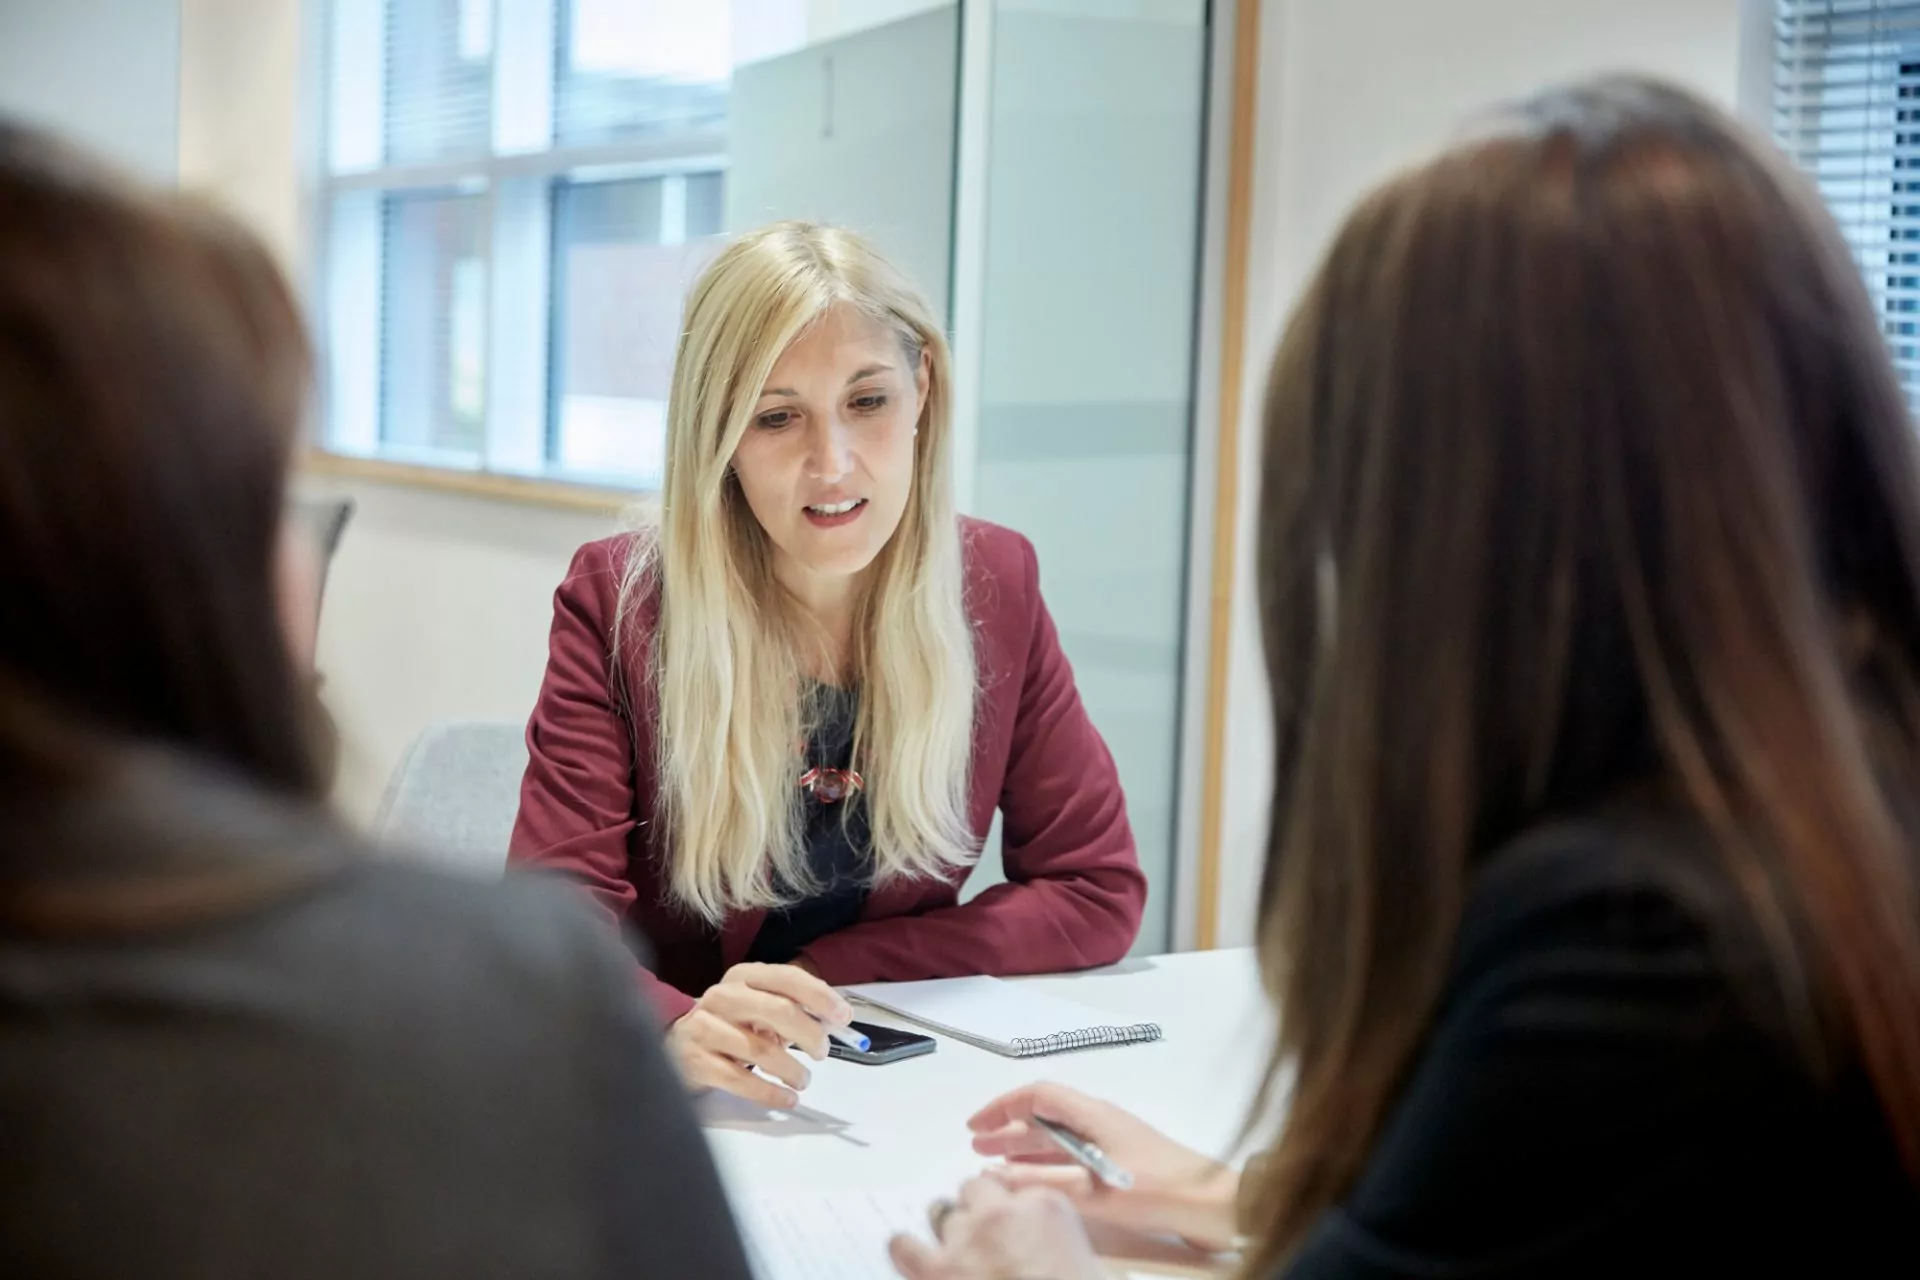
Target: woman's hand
{"x": 993, "y": 1233}
{"x": 1176, "y": 1190}
{"x": 747, "y": 1020}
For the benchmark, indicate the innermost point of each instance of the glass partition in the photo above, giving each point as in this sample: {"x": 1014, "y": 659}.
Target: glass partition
{"x": 1094, "y": 180}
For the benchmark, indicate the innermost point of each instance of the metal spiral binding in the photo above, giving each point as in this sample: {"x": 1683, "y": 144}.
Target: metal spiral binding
{"x": 1091, "y": 1038}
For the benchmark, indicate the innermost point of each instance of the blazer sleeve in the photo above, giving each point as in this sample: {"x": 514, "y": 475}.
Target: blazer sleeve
{"x": 577, "y": 798}
{"x": 1074, "y": 893}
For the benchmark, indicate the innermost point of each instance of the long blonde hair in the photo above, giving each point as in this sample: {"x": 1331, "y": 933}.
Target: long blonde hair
{"x": 724, "y": 663}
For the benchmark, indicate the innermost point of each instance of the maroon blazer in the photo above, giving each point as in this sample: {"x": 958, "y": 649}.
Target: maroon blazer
{"x": 1074, "y": 891}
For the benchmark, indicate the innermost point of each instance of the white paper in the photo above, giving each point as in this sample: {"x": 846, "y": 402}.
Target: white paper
{"x": 812, "y": 1235}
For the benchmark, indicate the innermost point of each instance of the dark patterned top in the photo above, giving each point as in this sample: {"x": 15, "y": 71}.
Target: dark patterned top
{"x": 838, "y": 840}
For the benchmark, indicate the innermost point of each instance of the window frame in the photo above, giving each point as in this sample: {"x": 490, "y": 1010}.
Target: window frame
{"x": 518, "y": 178}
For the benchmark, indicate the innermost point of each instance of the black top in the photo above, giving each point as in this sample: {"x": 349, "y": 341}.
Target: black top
{"x": 354, "y": 1069}
{"x": 837, "y": 839}
{"x": 1608, "y": 1091}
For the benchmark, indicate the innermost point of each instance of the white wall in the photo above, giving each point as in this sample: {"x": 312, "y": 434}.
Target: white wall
{"x": 241, "y": 129}
{"x": 103, "y": 72}
{"x": 1349, "y": 92}
{"x": 436, "y": 608}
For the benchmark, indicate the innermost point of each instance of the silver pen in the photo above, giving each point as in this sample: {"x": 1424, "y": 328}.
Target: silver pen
{"x": 1096, "y": 1161}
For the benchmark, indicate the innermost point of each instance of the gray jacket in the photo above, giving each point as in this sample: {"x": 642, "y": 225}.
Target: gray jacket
{"x": 233, "y": 1045}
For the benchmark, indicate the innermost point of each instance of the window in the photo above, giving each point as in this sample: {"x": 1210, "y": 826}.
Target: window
{"x": 619, "y": 271}
{"x": 517, "y": 195}
{"x": 1847, "y": 108}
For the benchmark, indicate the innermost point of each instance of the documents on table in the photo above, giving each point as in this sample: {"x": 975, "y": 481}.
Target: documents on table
{"x": 814, "y": 1235}
{"x": 842, "y": 1235}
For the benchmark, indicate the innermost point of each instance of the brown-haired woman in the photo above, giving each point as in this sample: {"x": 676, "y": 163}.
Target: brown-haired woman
{"x": 230, "y": 1044}
{"x": 1590, "y": 580}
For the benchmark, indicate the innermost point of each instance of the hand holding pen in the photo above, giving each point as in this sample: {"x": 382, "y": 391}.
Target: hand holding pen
{"x": 743, "y": 1034}
{"x": 1113, "y": 1166}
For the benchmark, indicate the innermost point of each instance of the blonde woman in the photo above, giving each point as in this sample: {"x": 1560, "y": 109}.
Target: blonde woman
{"x": 776, "y": 727}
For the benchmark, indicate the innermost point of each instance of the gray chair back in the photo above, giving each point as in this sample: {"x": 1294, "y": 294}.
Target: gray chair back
{"x": 454, "y": 795}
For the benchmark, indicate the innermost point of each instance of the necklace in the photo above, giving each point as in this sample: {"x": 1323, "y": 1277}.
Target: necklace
{"x": 830, "y": 786}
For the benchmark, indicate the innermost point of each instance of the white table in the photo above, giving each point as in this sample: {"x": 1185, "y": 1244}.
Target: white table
{"x": 878, "y": 1129}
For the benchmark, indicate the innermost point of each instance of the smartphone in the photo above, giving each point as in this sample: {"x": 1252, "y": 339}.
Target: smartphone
{"x": 885, "y": 1044}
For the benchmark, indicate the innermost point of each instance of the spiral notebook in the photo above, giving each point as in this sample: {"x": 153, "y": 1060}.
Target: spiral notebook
{"x": 1007, "y": 1018}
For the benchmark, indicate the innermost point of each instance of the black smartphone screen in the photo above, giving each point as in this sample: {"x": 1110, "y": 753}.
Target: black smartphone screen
{"x": 885, "y": 1044}
{"x": 886, "y": 1039}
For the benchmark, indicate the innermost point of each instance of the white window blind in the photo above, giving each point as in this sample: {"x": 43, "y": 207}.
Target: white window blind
{"x": 439, "y": 79}
{"x": 1847, "y": 109}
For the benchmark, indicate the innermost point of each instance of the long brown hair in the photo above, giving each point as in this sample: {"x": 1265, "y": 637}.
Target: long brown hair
{"x": 1585, "y": 465}
{"x": 153, "y": 375}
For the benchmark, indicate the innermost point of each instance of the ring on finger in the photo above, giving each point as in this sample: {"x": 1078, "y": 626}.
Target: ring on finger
{"x": 937, "y": 1214}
